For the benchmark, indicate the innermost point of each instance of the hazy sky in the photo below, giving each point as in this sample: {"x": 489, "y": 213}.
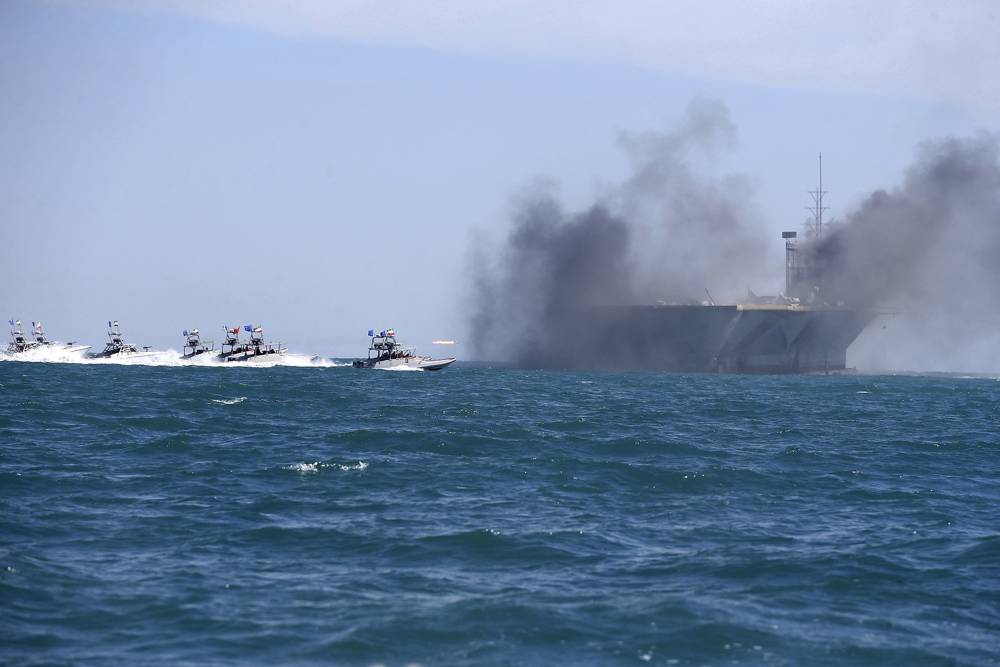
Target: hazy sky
{"x": 322, "y": 167}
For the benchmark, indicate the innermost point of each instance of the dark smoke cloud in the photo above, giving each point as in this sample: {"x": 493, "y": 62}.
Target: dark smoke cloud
{"x": 927, "y": 251}
{"x": 667, "y": 233}
{"x": 555, "y": 263}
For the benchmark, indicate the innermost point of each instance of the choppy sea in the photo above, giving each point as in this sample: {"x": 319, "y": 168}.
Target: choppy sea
{"x": 480, "y": 516}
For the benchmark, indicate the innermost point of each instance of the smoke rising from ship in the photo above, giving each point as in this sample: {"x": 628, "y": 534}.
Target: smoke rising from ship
{"x": 928, "y": 251}
{"x": 669, "y": 232}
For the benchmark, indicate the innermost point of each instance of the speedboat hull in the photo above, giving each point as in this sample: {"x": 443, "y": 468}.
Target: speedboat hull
{"x": 436, "y": 364}
{"x": 252, "y": 357}
{"x": 123, "y": 354}
{"x": 415, "y": 363}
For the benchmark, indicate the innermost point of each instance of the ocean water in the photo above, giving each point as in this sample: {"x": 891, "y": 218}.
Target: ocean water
{"x": 163, "y": 515}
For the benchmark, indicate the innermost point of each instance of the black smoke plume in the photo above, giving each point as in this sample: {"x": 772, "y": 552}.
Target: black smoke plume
{"x": 928, "y": 254}
{"x": 925, "y": 253}
{"x": 668, "y": 233}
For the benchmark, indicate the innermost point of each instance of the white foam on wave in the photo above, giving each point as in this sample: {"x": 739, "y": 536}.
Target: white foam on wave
{"x": 307, "y": 468}
{"x": 229, "y": 401}
{"x": 305, "y": 361}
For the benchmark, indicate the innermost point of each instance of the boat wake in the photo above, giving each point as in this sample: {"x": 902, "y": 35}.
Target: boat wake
{"x": 165, "y": 358}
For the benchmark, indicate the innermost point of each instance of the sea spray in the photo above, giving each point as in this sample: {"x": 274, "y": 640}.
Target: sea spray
{"x": 170, "y": 358}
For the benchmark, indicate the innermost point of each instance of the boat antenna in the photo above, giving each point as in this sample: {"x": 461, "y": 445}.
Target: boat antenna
{"x": 817, "y": 208}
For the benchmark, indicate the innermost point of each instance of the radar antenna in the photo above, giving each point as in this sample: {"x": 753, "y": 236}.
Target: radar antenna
{"x": 816, "y": 226}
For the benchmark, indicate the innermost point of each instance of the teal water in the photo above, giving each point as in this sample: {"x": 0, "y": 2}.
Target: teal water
{"x": 166, "y": 516}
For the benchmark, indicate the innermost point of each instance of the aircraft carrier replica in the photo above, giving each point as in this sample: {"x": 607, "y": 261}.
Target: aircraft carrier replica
{"x": 799, "y": 331}
{"x": 796, "y": 332}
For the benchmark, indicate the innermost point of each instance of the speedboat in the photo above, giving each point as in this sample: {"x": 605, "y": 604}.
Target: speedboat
{"x": 255, "y": 350}
{"x": 194, "y": 346}
{"x": 20, "y": 343}
{"x": 385, "y": 352}
{"x": 117, "y": 348}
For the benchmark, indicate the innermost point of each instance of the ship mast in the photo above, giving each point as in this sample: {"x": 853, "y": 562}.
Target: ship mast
{"x": 817, "y": 208}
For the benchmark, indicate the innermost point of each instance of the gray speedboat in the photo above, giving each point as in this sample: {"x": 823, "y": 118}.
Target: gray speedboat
{"x": 194, "y": 346}
{"x": 385, "y": 352}
{"x": 254, "y": 350}
{"x": 117, "y": 348}
{"x": 20, "y": 343}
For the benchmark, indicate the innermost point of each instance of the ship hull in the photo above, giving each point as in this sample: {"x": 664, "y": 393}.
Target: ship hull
{"x": 251, "y": 357}
{"x": 714, "y": 339}
{"x": 121, "y": 355}
{"x": 416, "y": 363}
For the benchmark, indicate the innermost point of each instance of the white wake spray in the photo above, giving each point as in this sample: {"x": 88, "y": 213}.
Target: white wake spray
{"x": 400, "y": 368}
{"x": 170, "y": 358}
